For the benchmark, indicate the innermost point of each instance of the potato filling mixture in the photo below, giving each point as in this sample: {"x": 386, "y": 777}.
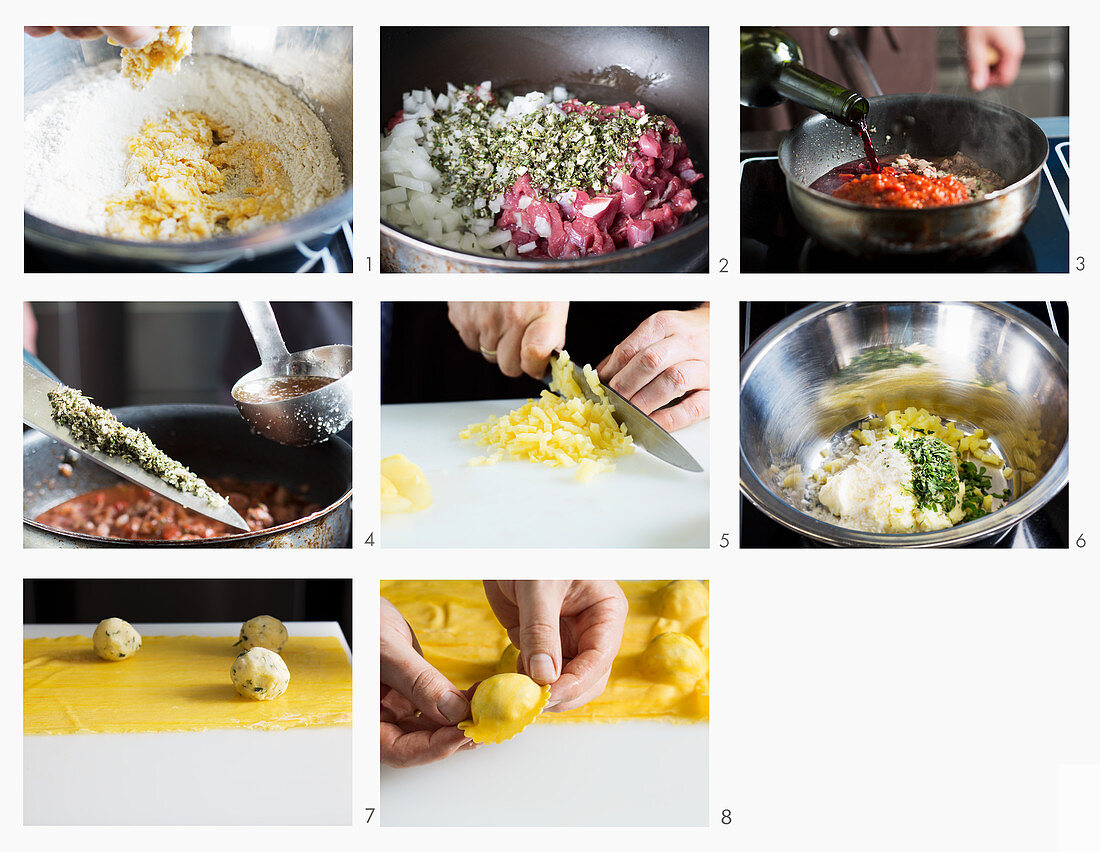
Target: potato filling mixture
{"x": 566, "y": 430}
{"x": 907, "y": 472}
{"x": 189, "y": 178}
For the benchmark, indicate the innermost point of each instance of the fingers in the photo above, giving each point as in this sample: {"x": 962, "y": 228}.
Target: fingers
{"x": 458, "y": 314}
{"x": 517, "y": 336}
{"x": 81, "y": 32}
{"x": 671, "y": 384}
{"x": 647, "y": 364}
{"x": 540, "y": 339}
{"x": 539, "y": 604}
{"x": 131, "y": 36}
{"x": 691, "y": 409}
{"x": 38, "y": 32}
{"x": 402, "y": 749}
{"x": 651, "y": 330}
{"x": 600, "y": 633}
{"x": 582, "y": 680}
{"x": 1010, "y": 48}
{"x": 403, "y": 669}
{"x": 508, "y": 351}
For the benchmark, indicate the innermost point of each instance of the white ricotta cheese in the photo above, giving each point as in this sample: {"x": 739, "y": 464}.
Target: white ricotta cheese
{"x": 873, "y": 493}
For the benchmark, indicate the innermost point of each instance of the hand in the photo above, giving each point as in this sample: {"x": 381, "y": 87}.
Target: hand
{"x": 519, "y": 337}
{"x": 126, "y": 36}
{"x": 567, "y": 631}
{"x": 410, "y": 684}
{"x": 992, "y": 55}
{"x": 666, "y": 358}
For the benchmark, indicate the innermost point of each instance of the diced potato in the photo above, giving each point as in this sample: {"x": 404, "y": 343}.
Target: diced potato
{"x": 557, "y": 431}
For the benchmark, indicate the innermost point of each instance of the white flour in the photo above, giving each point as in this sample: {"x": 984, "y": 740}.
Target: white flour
{"x": 75, "y": 134}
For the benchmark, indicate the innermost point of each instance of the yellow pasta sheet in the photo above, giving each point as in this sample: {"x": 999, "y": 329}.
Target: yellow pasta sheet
{"x": 176, "y": 683}
{"x": 462, "y": 638}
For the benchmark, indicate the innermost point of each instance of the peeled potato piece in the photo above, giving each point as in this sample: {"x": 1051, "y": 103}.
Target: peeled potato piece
{"x": 408, "y": 481}
{"x": 392, "y": 501}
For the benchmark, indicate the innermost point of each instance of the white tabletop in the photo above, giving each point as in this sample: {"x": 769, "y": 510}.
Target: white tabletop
{"x": 583, "y": 774}
{"x": 644, "y": 502}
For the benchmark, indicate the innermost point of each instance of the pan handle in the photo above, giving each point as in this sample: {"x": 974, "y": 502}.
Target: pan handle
{"x": 851, "y": 59}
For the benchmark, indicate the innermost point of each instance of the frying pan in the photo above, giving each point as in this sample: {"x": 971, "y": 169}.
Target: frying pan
{"x": 213, "y": 441}
{"x": 666, "y": 68}
{"x": 926, "y": 126}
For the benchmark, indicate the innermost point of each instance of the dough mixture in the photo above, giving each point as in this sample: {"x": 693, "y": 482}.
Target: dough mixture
{"x": 176, "y": 683}
{"x": 652, "y": 678}
{"x": 164, "y": 53}
{"x": 216, "y": 149}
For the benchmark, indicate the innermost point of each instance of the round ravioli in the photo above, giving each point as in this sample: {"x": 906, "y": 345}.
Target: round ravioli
{"x": 673, "y": 658}
{"x": 683, "y": 600}
{"x": 502, "y": 706}
{"x": 509, "y": 660}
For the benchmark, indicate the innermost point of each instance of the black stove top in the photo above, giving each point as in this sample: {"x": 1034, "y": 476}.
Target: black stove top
{"x": 773, "y": 241}
{"x": 1048, "y": 527}
{"x": 330, "y": 252}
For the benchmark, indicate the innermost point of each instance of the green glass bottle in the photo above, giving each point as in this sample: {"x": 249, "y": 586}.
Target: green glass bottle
{"x": 772, "y": 72}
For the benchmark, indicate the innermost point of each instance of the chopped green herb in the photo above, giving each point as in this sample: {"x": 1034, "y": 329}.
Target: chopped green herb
{"x": 935, "y": 477}
{"x": 95, "y": 428}
{"x": 480, "y": 157}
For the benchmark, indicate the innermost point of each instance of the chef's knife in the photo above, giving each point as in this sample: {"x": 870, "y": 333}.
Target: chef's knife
{"x": 645, "y": 432}
{"x": 38, "y": 414}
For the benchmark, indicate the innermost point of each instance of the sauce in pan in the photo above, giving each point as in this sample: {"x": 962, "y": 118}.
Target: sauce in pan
{"x": 859, "y": 183}
{"x": 280, "y": 388}
{"x": 132, "y": 512}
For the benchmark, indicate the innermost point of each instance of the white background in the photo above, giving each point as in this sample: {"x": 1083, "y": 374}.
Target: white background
{"x": 860, "y": 701}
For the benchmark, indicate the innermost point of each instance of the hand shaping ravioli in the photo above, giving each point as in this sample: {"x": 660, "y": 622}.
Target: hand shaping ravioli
{"x": 502, "y": 706}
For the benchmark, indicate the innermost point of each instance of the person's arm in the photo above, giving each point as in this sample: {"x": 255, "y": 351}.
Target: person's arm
{"x": 567, "y": 632}
{"x": 420, "y": 708}
{"x": 519, "y": 337}
{"x": 664, "y": 359}
{"x": 992, "y": 55}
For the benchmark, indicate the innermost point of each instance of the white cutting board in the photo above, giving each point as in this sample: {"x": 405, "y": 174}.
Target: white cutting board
{"x": 584, "y": 774}
{"x": 644, "y": 502}
{"x": 221, "y": 777}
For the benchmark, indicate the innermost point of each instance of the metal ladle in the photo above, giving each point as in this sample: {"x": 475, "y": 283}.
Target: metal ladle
{"x": 302, "y": 420}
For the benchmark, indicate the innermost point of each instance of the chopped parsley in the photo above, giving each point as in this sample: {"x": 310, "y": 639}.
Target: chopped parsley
{"x": 95, "y": 428}
{"x": 935, "y": 475}
{"x": 480, "y": 156}
{"x": 977, "y": 487}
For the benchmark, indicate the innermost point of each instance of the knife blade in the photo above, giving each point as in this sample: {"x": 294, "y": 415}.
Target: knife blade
{"x": 642, "y": 428}
{"x": 38, "y": 414}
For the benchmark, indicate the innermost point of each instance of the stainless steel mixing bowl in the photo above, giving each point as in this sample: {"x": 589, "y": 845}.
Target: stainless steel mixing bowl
{"x": 315, "y": 62}
{"x": 986, "y": 365}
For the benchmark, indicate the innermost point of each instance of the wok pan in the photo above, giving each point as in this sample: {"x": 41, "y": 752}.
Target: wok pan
{"x": 926, "y": 126}
{"x": 213, "y": 441}
{"x": 667, "y": 69}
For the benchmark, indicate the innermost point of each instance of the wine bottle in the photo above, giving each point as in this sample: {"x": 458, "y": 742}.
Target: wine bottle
{"x": 772, "y": 72}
